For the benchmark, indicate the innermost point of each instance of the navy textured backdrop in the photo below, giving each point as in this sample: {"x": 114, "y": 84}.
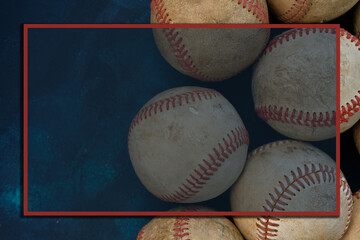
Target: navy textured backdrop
{"x": 75, "y": 77}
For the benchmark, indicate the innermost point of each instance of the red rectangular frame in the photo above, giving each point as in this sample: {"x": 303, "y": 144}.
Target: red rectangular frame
{"x": 26, "y": 211}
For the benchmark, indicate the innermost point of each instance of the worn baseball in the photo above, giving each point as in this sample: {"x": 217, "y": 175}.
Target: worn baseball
{"x": 210, "y": 54}
{"x": 309, "y": 11}
{"x": 301, "y": 228}
{"x": 294, "y": 84}
{"x": 197, "y": 228}
{"x": 286, "y": 176}
{"x": 209, "y": 11}
{"x": 349, "y": 80}
{"x": 357, "y": 20}
{"x": 356, "y": 133}
{"x": 188, "y": 144}
{"x": 353, "y": 233}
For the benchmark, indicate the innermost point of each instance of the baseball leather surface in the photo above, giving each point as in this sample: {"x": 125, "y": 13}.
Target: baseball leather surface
{"x": 309, "y": 11}
{"x": 349, "y": 80}
{"x": 294, "y": 84}
{"x": 209, "y": 11}
{"x": 301, "y": 228}
{"x": 188, "y": 144}
{"x": 210, "y": 54}
{"x": 197, "y": 228}
{"x": 353, "y": 233}
{"x": 356, "y": 132}
{"x": 357, "y": 20}
{"x": 286, "y": 176}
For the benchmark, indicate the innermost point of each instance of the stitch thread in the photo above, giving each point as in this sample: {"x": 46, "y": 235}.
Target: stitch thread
{"x": 285, "y": 115}
{"x": 285, "y": 191}
{"x": 175, "y": 40}
{"x": 183, "y": 58}
{"x": 293, "y": 34}
{"x": 297, "y": 11}
{"x": 256, "y": 9}
{"x": 269, "y": 145}
{"x": 181, "y": 228}
{"x": 140, "y": 234}
{"x": 170, "y": 103}
{"x": 196, "y": 180}
{"x": 267, "y": 227}
{"x": 346, "y": 188}
{"x": 353, "y": 106}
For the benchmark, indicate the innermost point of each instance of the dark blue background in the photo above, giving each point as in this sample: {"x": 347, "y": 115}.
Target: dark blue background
{"x": 84, "y": 189}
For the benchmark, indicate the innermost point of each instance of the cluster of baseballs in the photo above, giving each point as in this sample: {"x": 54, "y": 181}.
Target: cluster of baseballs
{"x": 250, "y": 11}
{"x": 189, "y": 144}
{"x": 252, "y": 228}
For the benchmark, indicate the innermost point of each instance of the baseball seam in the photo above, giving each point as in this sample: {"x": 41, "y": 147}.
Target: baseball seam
{"x": 344, "y": 186}
{"x": 171, "y": 102}
{"x": 267, "y": 227}
{"x": 181, "y": 228}
{"x": 294, "y": 116}
{"x": 300, "y": 179}
{"x": 175, "y": 40}
{"x": 297, "y": 11}
{"x": 140, "y": 234}
{"x": 197, "y": 179}
{"x": 353, "y": 105}
{"x": 268, "y": 145}
{"x": 293, "y": 34}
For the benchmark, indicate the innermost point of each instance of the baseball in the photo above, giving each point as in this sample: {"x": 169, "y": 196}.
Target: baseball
{"x": 210, "y": 54}
{"x": 357, "y": 20}
{"x": 309, "y": 11}
{"x": 286, "y": 176}
{"x": 349, "y": 80}
{"x": 356, "y": 133}
{"x": 353, "y": 232}
{"x": 209, "y": 11}
{"x": 294, "y": 84}
{"x": 301, "y": 228}
{"x": 199, "y": 228}
{"x": 188, "y": 144}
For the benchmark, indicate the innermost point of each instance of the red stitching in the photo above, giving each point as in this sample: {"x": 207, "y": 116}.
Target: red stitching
{"x": 170, "y": 103}
{"x": 140, "y": 234}
{"x": 297, "y": 11}
{"x": 266, "y": 228}
{"x": 346, "y": 188}
{"x": 181, "y": 229}
{"x": 157, "y": 6}
{"x": 256, "y": 8}
{"x": 299, "y": 180}
{"x": 184, "y": 59}
{"x": 292, "y": 34}
{"x": 191, "y": 186}
{"x": 353, "y": 106}
{"x": 296, "y": 117}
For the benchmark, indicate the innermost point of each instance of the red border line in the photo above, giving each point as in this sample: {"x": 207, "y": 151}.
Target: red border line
{"x": 338, "y": 120}
{"x": 25, "y": 113}
{"x": 26, "y": 212}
